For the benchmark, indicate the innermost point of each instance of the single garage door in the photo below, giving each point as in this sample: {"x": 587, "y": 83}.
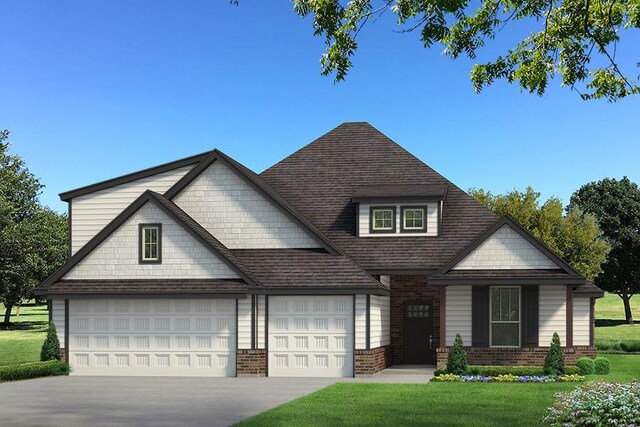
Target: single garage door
{"x": 161, "y": 337}
{"x": 311, "y": 336}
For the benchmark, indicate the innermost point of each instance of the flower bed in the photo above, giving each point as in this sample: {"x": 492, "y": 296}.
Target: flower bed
{"x": 508, "y": 378}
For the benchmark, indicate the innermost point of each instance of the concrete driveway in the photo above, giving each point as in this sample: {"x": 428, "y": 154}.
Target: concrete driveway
{"x": 140, "y": 401}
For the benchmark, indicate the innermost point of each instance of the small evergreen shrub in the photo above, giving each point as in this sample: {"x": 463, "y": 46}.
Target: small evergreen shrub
{"x": 601, "y": 365}
{"x": 585, "y": 365}
{"x": 554, "y": 362}
{"x": 457, "y": 362}
{"x": 33, "y": 370}
{"x": 439, "y": 371}
{"x": 51, "y": 347}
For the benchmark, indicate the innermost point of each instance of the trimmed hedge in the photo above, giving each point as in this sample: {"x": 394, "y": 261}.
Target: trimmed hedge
{"x": 601, "y": 365}
{"x": 585, "y": 366}
{"x": 618, "y": 346}
{"x": 33, "y": 370}
{"x": 494, "y": 371}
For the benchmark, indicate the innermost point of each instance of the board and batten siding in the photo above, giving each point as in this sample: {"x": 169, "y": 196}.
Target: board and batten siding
{"x": 581, "y": 321}
{"x": 380, "y": 321}
{"x": 458, "y": 314}
{"x": 552, "y": 306}
{"x": 91, "y": 212}
{"x": 364, "y": 212}
{"x": 183, "y": 257}
{"x": 505, "y": 249}
{"x": 260, "y": 324}
{"x": 58, "y": 318}
{"x": 361, "y": 322}
{"x": 237, "y": 214}
{"x": 244, "y": 323}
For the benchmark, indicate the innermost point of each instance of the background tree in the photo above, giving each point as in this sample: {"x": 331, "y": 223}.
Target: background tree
{"x": 33, "y": 239}
{"x": 575, "y": 39}
{"x": 574, "y": 236}
{"x": 616, "y": 205}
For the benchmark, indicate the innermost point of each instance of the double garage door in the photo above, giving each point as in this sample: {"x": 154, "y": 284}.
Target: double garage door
{"x": 308, "y": 336}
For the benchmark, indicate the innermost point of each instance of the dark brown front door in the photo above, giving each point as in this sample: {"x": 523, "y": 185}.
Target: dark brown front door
{"x": 418, "y": 332}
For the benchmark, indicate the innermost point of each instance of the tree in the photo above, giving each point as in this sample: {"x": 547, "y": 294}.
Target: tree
{"x": 575, "y": 39}
{"x": 616, "y": 205}
{"x": 573, "y": 235}
{"x": 33, "y": 239}
{"x": 51, "y": 347}
{"x": 457, "y": 361}
{"x": 554, "y": 361}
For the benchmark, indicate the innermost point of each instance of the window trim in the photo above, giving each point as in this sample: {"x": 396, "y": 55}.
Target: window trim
{"x": 392, "y": 230}
{"x": 519, "y": 322}
{"x": 141, "y": 228}
{"x": 423, "y": 229}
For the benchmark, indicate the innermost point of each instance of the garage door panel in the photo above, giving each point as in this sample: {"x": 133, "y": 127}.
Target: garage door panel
{"x": 152, "y": 337}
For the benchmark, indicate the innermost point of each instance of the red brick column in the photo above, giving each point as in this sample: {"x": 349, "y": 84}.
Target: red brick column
{"x": 251, "y": 362}
{"x": 368, "y": 362}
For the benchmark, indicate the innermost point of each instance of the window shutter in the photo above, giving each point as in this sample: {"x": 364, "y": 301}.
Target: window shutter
{"x": 529, "y": 316}
{"x": 480, "y": 316}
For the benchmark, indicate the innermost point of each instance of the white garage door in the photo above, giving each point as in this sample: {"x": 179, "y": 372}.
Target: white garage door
{"x": 161, "y": 337}
{"x": 311, "y": 336}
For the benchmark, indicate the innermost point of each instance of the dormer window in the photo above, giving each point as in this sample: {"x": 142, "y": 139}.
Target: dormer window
{"x": 383, "y": 219}
{"x": 150, "y": 244}
{"x": 413, "y": 219}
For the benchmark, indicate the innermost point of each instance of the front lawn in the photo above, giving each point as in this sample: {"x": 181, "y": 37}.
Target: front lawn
{"x": 610, "y": 323}
{"x": 21, "y": 343}
{"x": 430, "y": 404}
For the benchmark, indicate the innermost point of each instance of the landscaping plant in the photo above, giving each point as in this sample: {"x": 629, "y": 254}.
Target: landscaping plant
{"x": 457, "y": 362}
{"x": 33, "y": 370}
{"x": 596, "y": 404}
{"x": 554, "y": 362}
{"x": 585, "y": 365}
{"x": 51, "y": 346}
{"x": 601, "y": 365}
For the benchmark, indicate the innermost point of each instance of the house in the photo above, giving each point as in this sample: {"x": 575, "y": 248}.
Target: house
{"x": 346, "y": 257}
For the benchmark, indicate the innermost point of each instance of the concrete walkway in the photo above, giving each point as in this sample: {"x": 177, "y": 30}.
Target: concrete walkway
{"x": 407, "y": 374}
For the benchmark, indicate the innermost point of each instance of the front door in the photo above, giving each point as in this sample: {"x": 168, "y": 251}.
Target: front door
{"x": 418, "y": 329}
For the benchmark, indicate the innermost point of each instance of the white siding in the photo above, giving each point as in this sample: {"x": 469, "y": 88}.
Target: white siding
{"x": 553, "y": 314}
{"x": 361, "y": 322}
{"x": 260, "y": 327}
{"x": 182, "y": 255}
{"x": 432, "y": 220}
{"x": 244, "y": 323}
{"x": 380, "y": 321}
{"x": 58, "y": 317}
{"x": 237, "y": 214}
{"x": 505, "y": 249}
{"x": 581, "y": 321}
{"x": 92, "y": 212}
{"x": 458, "y": 314}
{"x": 386, "y": 281}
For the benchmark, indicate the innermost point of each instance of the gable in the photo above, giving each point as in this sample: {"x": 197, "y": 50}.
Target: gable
{"x": 229, "y": 208}
{"x": 183, "y": 256}
{"x": 505, "y": 249}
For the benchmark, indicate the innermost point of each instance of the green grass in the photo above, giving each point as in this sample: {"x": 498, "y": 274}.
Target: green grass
{"x": 21, "y": 343}
{"x": 610, "y": 321}
{"x": 430, "y": 404}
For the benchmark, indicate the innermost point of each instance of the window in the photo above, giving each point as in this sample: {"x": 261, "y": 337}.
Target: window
{"x": 504, "y": 329}
{"x": 150, "y": 243}
{"x": 413, "y": 219}
{"x": 383, "y": 219}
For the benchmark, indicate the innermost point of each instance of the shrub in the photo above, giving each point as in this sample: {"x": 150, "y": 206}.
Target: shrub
{"x": 493, "y": 371}
{"x": 457, "y": 362}
{"x": 33, "y": 370}
{"x": 439, "y": 371}
{"x": 51, "y": 347}
{"x": 570, "y": 370}
{"x": 601, "y": 403}
{"x": 585, "y": 366}
{"x": 617, "y": 346}
{"x": 554, "y": 362}
{"x": 601, "y": 365}
{"x": 630, "y": 346}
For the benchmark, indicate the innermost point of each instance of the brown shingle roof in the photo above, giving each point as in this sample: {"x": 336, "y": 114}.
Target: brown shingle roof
{"x": 400, "y": 191}
{"x": 321, "y": 178}
{"x": 142, "y": 287}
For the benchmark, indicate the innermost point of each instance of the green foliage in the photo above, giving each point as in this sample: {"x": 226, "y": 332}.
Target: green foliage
{"x": 618, "y": 346}
{"x": 51, "y": 347}
{"x": 457, "y": 362}
{"x": 571, "y": 39}
{"x": 616, "y": 205}
{"x": 33, "y": 370}
{"x": 574, "y": 236}
{"x": 585, "y": 366}
{"x": 554, "y": 362}
{"x": 601, "y": 365}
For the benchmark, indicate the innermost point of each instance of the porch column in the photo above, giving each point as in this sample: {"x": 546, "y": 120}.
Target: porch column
{"x": 569, "y": 320}
{"x": 443, "y": 316}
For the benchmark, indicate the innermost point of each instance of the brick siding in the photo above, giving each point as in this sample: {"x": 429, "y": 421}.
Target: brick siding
{"x": 251, "y": 362}
{"x": 368, "y": 362}
{"x": 515, "y": 356}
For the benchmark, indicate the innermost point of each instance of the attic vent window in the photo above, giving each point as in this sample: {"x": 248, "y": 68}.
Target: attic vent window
{"x": 383, "y": 219}
{"x": 150, "y": 243}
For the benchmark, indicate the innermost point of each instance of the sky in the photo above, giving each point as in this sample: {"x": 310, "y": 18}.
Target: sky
{"x": 93, "y": 90}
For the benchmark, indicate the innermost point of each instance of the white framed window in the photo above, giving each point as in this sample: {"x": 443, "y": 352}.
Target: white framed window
{"x": 413, "y": 219}
{"x": 382, "y": 219}
{"x": 150, "y": 243}
{"x": 504, "y": 316}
